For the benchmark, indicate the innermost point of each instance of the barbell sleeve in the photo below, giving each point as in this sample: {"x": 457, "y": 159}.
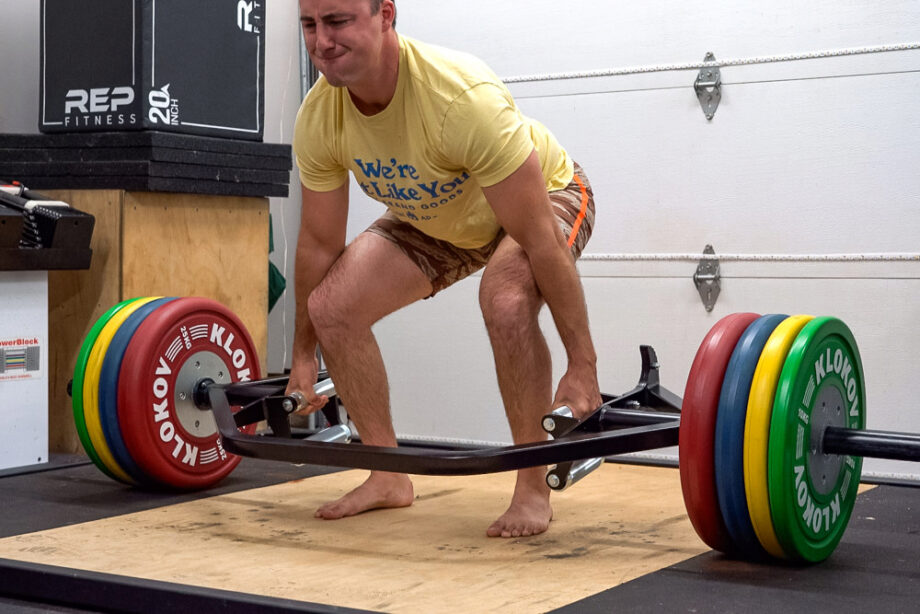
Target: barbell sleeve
{"x": 874, "y": 444}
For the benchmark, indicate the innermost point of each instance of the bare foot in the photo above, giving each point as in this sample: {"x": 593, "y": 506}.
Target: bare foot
{"x": 380, "y": 490}
{"x": 529, "y": 512}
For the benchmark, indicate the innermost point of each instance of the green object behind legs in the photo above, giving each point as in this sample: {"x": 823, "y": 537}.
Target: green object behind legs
{"x": 276, "y": 281}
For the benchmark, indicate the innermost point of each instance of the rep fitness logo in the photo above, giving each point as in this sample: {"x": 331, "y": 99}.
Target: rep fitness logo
{"x": 247, "y": 18}
{"x": 99, "y": 106}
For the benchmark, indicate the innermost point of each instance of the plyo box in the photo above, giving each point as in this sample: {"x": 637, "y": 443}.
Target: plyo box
{"x": 171, "y": 65}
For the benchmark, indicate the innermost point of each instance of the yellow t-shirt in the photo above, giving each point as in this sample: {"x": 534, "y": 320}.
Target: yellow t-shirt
{"x": 451, "y": 127}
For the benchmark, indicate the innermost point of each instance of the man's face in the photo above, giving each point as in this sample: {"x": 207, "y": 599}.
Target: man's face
{"x": 342, "y": 38}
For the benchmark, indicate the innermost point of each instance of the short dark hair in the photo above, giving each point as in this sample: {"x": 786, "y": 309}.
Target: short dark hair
{"x": 375, "y": 8}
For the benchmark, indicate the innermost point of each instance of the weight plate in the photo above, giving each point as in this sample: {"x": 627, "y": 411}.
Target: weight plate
{"x": 108, "y": 389}
{"x": 697, "y": 429}
{"x": 729, "y": 435}
{"x": 76, "y": 391}
{"x": 174, "y": 348}
{"x": 757, "y": 429}
{"x": 812, "y": 494}
{"x": 91, "y": 387}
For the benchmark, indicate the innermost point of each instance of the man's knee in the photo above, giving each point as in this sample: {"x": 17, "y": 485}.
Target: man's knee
{"x": 328, "y": 312}
{"x": 509, "y": 309}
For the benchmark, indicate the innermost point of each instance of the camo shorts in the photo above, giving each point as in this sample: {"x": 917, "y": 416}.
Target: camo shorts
{"x": 445, "y": 264}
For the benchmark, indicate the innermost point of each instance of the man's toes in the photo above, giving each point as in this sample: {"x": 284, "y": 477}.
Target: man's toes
{"x": 322, "y": 512}
{"x": 331, "y": 511}
{"x": 510, "y": 531}
{"x": 512, "y": 525}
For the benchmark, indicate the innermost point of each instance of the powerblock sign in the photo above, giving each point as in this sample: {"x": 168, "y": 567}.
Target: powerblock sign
{"x": 194, "y": 67}
{"x": 20, "y": 358}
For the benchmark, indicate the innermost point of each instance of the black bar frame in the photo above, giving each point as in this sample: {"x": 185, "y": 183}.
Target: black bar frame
{"x": 645, "y": 418}
{"x": 430, "y": 461}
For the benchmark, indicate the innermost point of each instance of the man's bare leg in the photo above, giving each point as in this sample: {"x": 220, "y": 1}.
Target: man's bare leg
{"x": 371, "y": 279}
{"x": 510, "y": 303}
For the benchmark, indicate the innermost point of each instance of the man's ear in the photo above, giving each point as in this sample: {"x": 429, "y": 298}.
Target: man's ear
{"x": 388, "y": 12}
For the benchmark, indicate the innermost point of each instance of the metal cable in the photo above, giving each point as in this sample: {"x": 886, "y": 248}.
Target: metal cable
{"x": 589, "y": 74}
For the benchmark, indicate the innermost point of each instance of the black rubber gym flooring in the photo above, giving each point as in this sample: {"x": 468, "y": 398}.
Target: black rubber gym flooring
{"x": 875, "y": 568}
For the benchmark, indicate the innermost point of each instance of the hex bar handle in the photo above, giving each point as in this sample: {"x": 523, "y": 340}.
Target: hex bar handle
{"x": 561, "y": 476}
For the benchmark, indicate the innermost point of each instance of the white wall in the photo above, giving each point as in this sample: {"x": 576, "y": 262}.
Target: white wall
{"x": 806, "y": 157}
{"x": 802, "y": 157}
{"x": 19, "y": 48}
{"x": 282, "y": 99}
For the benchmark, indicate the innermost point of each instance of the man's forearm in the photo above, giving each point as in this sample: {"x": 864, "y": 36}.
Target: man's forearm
{"x": 320, "y": 242}
{"x": 523, "y": 208}
{"x": 560, "y": 286}
{"x": 313, "y": 262}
